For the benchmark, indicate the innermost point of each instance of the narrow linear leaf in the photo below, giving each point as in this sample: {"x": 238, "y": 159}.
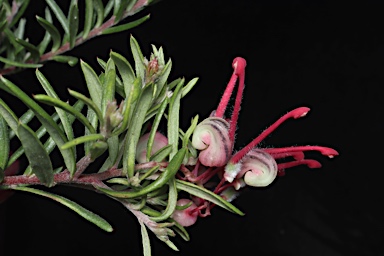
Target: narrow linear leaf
{"x": 73, "y": 20}
{"x": 135, "y": 129}
{"x": 4, "y": 144}
{"x": 108, "y": 85}
{"x": 145, "y": 240}
{"x": 8, "y": 115}
{"x": 164, "y": 177}
{"x": 138, "y": 57}
{"x": 155, "y": 125}
{"x": 93, "y": 83}
{"x": 47, "y": 37}
{"x": 189, "y": 86}
{"x": 119, "y": 8}
{"x": 173, "y": 119}
{"x": 37, "y": 156}
{"x": 162, "y": 153}
{"x": 39, "y": 133}
{"x": 190, "y": 130}
{"x": 54, "y": 98}
{"x": 207, "y": 195}
{"x": 45, "y": 119}
{"x": 172, "y": 200}
{"x": 60, "y": 105}
{"x": 82, "y": 139}
{"x": 86, "y": 214}
{"x": 20, "y": 64}
{"x": 20, "y": 12}
{"x": 59, "y": 15}
{"x": 108, "y": 8}
{"x": 163, "y": 77}
{"x": 99, "y": 7}
{"x": 35, "y": 53}
{"x": 125, "y": 70}
{"x": 52, "y": 30}
{"x": 125, "y": 27}
{"x": 129, "y": 106}
{"x": 70, "y": 60}
{"x": 88, "y": 17}
{"x": 88, "y": 102}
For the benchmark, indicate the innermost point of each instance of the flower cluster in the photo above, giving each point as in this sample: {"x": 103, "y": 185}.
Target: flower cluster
{"x": 214, "y": 137}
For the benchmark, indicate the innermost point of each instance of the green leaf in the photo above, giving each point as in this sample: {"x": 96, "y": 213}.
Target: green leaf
{"x": 145, "y": 240}
{"x": 52, "y": 30}
{"x": 108, "y": 85}
{"x": 70, "y": 60}
{"x": 4, "y": 144}
{"x": 82, "y": 139}
{"x": 20, "y": 12}
{"x": 138, "y": 57}
{"x": 86, "y": 214}
{"x": 108, "y": 7}
{"x": 164, "y": 177}
{"x": 99, "y": 7}
{"x": 189, "y": 86}
{"x": 134, "y": 130}
{"x": 88, "y": 17}
{"x": 125, "y": 70}
{"x": 37, "y": 156}
{"x": 162, "y": 153}
{"x": 59, "y": 15}
{"x": 8, "y": 115}
{"x": 45, "y": 119}
{"x": 62, "y": 114}
{"x": 119, "y": 9}
{"x": 47, "y": 37}
{"x": 190, "y": 130}
{"x": 172, "y": 200}
{"x": 155, "y": 125}
{"x": 20, "y": 64}
{"x": 73, "y": 20}
{"x": 35, "y": 53}
{"x": 173, "y": 119}
{"x": 129, "y": 106}
{"x": 203, "y": 193}
{"x": 88, "y": 102}
{"x": 125, "y": 27}
{"x": 163, "y": 77}
{"x": 93, "y": 83}
{"x": 60, "y": 105}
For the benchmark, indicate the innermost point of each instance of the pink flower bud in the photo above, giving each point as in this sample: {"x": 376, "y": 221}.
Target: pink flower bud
{"x": 159, "y": 142}
{"x": 186, "y": 217}
{"x": 212, "y": 138}
{"x": 258, "y": 168}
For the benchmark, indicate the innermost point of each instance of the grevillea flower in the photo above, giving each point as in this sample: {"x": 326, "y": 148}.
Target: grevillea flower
{"x": 252, "y": 165}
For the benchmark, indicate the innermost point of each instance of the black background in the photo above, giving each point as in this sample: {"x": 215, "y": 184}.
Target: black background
{"x": 326, "y": 56}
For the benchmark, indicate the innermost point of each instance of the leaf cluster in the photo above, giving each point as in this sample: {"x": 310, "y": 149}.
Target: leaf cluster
{"x": 100, "y": 17}
{"x": 111, "y": 131}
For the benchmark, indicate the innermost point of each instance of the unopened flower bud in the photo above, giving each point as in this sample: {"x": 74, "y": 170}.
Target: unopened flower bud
{"x": 258, "y": 168}
{"x": 212, "y": 138}
{"x": 159, "y": 142}
{"x": 188, "y": 216}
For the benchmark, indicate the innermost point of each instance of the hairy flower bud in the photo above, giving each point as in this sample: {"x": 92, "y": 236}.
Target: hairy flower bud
{"x": 188, "y": 216}
{"x": 212, "y": 138}
{"x": 141, "y": 151}
{"x": 258, "y": 168}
